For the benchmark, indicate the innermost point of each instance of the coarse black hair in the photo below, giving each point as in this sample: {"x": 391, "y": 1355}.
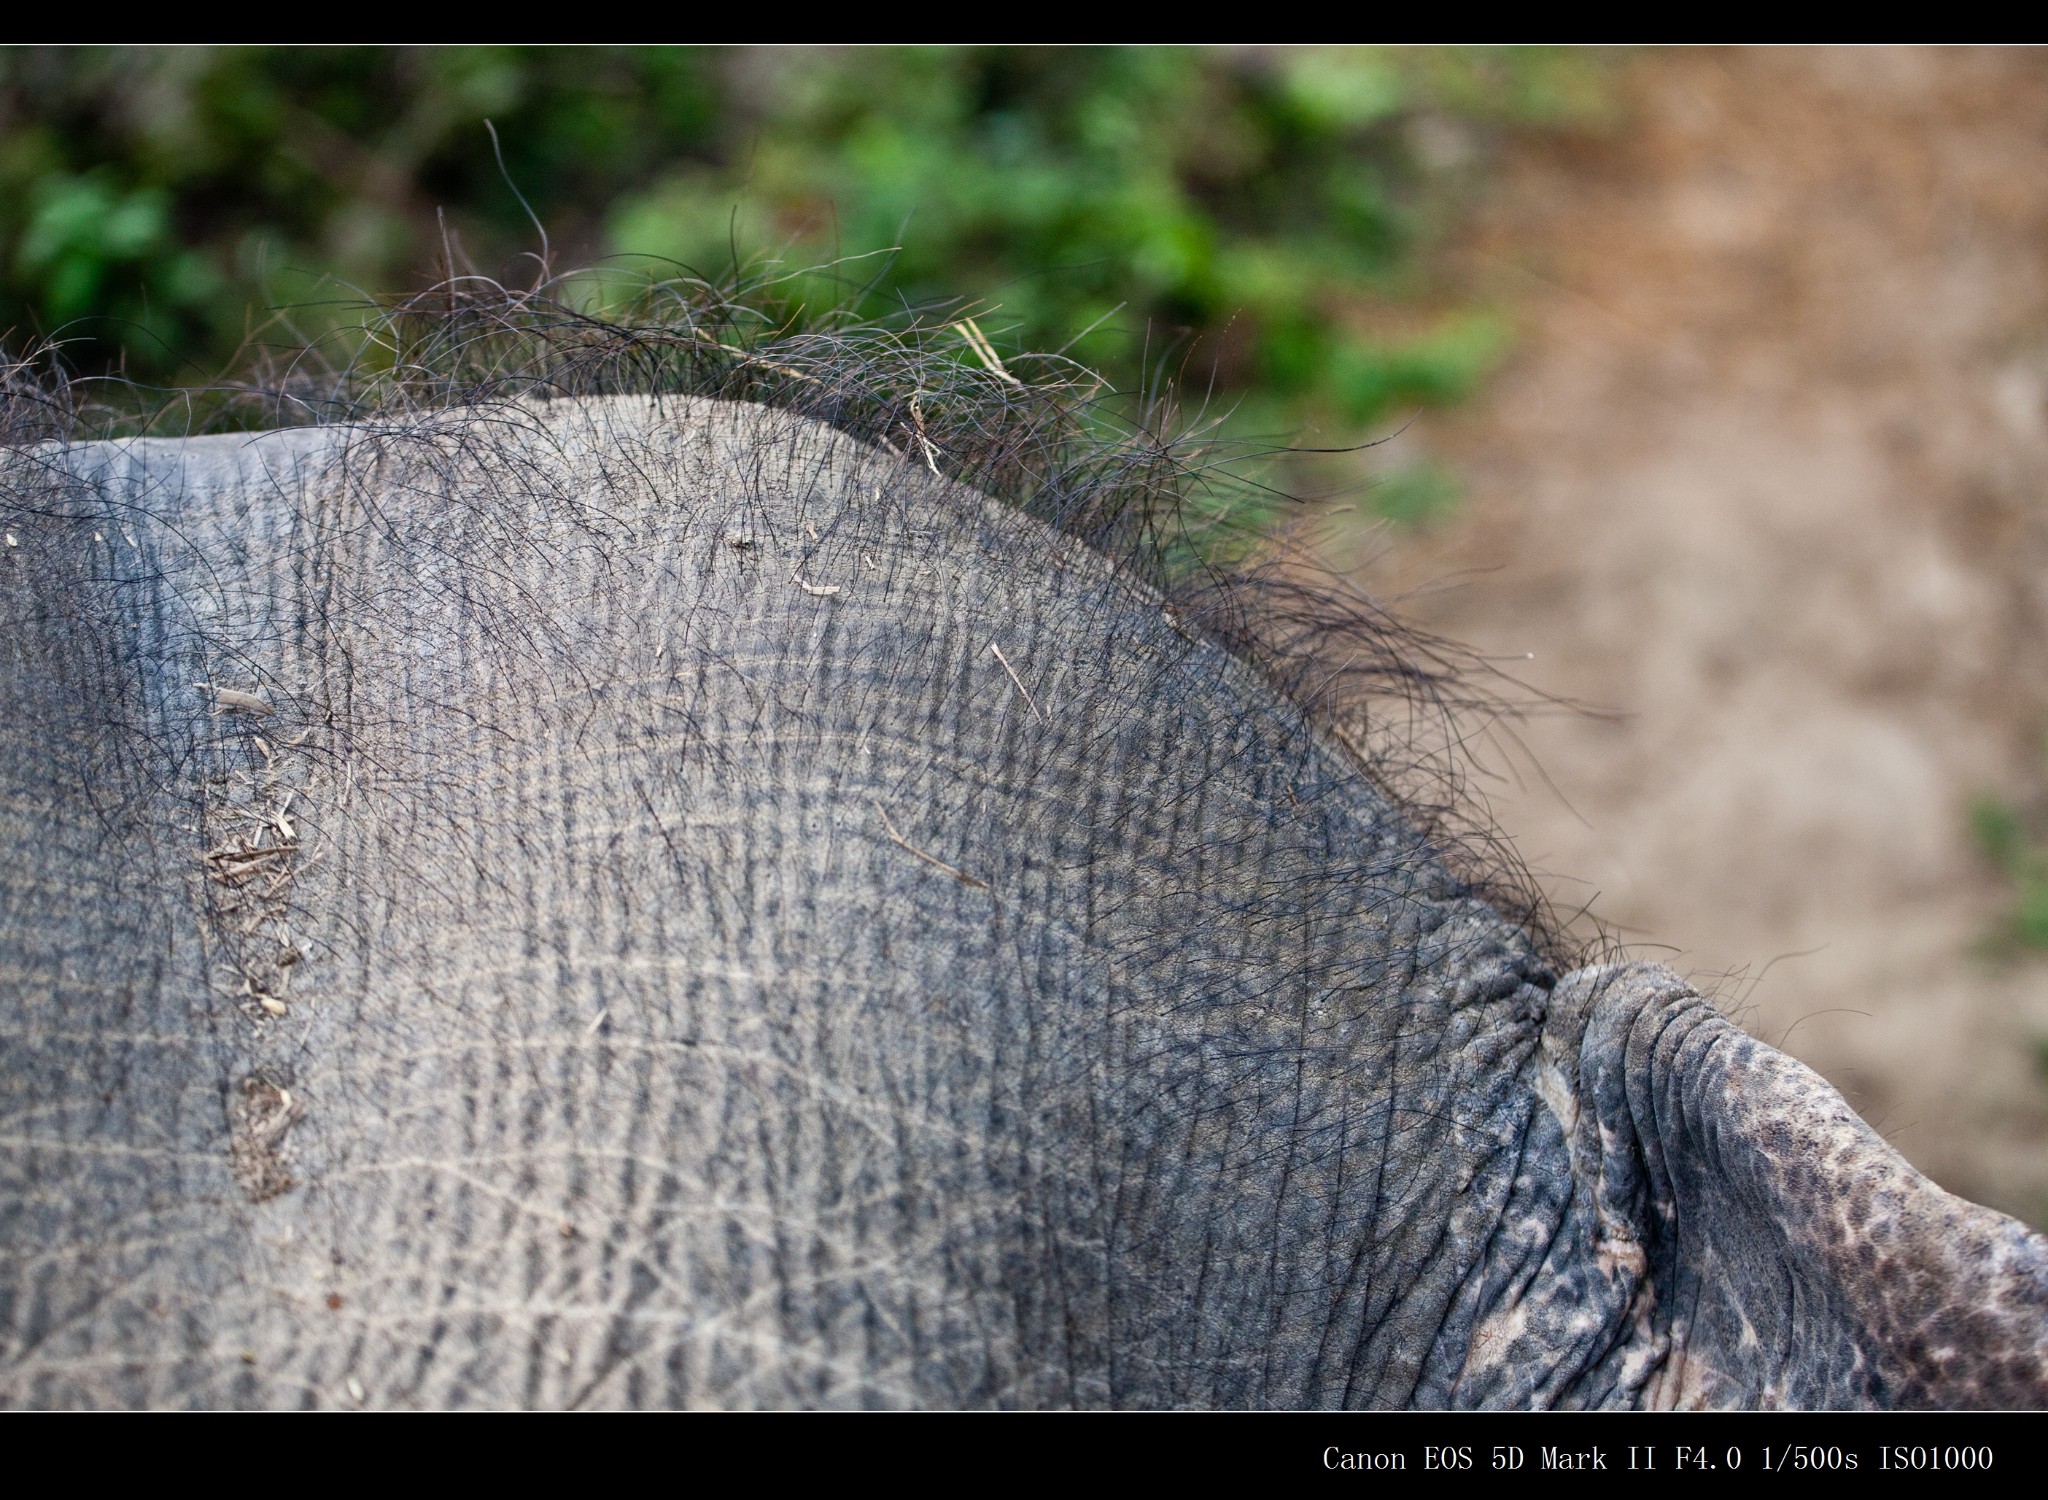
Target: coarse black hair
{"x": 1162, "y": 493}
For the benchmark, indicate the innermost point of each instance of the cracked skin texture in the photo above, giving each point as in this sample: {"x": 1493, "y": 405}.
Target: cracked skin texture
{"x": 687, "y": 986}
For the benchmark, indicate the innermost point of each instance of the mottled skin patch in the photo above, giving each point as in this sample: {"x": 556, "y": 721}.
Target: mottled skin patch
{"x": 1772, "y": 1249}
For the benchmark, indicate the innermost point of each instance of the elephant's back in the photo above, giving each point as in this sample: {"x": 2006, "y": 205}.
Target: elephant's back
{"x": 664, "y": 903}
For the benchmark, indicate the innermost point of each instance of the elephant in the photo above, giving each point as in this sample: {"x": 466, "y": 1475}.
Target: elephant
{"x": 667, "y": 898}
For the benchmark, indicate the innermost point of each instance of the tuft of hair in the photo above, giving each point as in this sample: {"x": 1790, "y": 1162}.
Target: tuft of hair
{"x": 1159, "y": 492}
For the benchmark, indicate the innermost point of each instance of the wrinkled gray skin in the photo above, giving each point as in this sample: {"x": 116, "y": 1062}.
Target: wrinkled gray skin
{"x": 652, "y": 950}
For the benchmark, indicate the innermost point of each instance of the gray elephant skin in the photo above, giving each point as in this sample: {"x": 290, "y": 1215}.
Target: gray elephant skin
{"x": 662, "y": 902}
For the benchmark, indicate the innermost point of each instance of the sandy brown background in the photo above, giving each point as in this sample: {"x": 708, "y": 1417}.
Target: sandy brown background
{"x": 1765, "y": 475}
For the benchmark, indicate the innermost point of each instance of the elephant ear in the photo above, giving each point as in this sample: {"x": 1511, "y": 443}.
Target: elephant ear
{"x": 1783, "y": 1254}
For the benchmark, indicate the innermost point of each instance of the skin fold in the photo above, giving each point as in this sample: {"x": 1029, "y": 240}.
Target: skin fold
{"x": 624, "y": 902}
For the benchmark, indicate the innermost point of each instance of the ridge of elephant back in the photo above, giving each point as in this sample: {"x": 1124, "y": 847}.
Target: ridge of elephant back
{"x": 669, "y": 902}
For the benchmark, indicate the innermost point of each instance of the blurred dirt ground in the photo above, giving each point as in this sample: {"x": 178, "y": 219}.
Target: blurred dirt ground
{"x": 1768, "y": 474}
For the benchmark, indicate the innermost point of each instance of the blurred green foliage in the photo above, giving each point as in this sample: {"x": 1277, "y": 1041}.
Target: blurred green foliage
{"x": 2003, "y": 835}
{"x": 155, "y": 202}
{"x": 1254, "y": 225}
